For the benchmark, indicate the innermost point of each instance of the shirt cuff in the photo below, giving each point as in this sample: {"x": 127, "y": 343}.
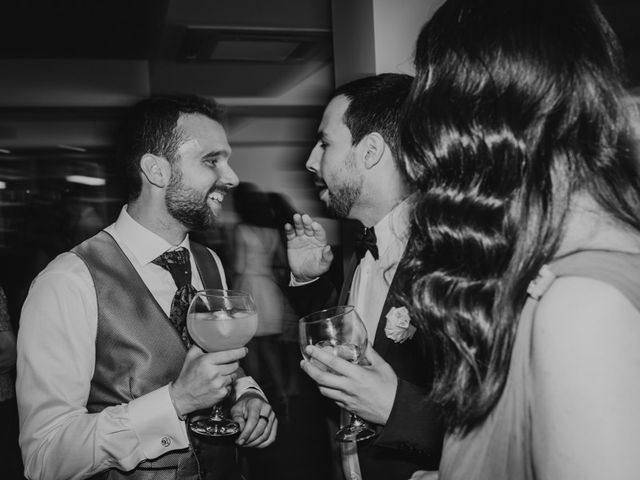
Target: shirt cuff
{"x": 294, "y": 283}
{"x": 156, "y": 423}
{"x": 243, "y": 385}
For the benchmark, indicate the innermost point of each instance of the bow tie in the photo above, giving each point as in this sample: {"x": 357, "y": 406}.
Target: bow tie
{"x": 366, "y": 240}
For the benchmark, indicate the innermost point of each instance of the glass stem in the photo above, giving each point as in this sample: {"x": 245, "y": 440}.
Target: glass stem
{"x": 216, "y": 413}
{"x": 356, "y": 421}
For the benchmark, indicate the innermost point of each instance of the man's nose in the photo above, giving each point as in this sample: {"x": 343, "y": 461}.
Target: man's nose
{"x": 229, "y": 177}
{"x": 313, "y": 162}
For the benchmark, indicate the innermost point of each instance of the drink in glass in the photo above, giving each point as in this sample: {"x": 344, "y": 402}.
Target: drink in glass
{"x": 220, "y": 320}
{"x": 340, "y": 331}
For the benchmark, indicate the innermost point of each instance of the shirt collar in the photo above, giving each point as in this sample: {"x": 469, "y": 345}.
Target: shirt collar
{"x": 143, "y": 243}
{"x": 393, "y": 228}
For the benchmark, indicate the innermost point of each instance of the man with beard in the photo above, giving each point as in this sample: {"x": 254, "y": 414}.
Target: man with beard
{"x": 355, "y": 166}
{"x": 107, "y": 373}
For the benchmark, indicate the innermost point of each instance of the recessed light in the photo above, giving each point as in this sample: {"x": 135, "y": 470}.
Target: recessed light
{"x": 85, "y": 180}
{"x": 73, "y": 148}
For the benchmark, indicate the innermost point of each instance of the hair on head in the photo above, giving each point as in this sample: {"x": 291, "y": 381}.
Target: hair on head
{"x": 375, "y": 104}
{"x": 151, "y": 127}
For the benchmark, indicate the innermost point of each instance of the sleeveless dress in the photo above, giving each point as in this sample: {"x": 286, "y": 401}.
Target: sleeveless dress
{"x": 501, "y": 447}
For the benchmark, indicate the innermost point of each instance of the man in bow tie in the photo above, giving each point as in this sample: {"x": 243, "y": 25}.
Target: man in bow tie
{"x": 107, "y": 373}
{"x": 354, "y": 164}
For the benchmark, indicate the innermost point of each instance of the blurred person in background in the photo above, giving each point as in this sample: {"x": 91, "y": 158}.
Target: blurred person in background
{"x": 258, "y": 250}
{"x": 273, "y": 359}
{"x": 524, "y": 258}
{"x": 283, "y": 212}
{"x": 10, "y": 461}
{"x": 355, "y": 166}
{"x": 107, "y": 373}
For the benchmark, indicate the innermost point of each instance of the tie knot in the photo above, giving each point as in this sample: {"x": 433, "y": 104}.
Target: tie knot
{"x": 366, "y": 240}
{"x": 178, "y": 264}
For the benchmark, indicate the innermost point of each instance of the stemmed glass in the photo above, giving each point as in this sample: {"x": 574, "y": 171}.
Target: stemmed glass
{"x": 220, "y": 320}
{"x": 340, "y": 330}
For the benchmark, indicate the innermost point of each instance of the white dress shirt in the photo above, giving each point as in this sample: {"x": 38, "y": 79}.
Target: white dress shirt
{"x": 372, "y": 278}
{"x": 55, "y": 365}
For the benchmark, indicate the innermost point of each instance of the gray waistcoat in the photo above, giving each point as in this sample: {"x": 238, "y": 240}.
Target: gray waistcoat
{"x": 138, "y": 351}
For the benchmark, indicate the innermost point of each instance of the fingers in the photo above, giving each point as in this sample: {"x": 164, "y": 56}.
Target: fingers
{"x": 264, "y": 431}
{"x": 340, "y": 398}
{"x": 424, "y": 475}
{"x": 194, "y": 352}
{"x": 327, "y": 254}
{"x": 257, "y": 421}
{"x": 289, "y": 231}
{"x": 227, "y": 356}
{"x": 310, "y": 227}
{"x": 298, "y": 224}
{"x": 370, "y": 357}
{"x": 328, "y": 357}
{"x": 225, "y": 370}
{"x": 303, "y": 225}
{"x": 222, "y": 383}
{"x": 324, "y": 378}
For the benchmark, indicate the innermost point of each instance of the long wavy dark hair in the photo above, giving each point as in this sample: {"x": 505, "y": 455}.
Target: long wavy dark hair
{"x": 516, "y": 108}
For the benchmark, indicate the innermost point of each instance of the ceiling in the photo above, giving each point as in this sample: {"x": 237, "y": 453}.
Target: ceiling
{"x": 69, "y": 66}
{"x": 81, "y": 61}
{"x": 242, "y": 48}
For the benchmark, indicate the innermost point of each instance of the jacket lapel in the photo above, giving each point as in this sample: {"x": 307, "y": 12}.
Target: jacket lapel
{"x": 350, "y": 270}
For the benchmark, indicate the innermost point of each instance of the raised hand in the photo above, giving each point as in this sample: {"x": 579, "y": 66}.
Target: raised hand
{"x": 205, "y": 379}
{"x": 368, "y": 391}
{"x": 308, "y": 252}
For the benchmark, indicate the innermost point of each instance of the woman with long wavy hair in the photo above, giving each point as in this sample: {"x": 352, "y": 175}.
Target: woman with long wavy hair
{"x": 525, "y": 265}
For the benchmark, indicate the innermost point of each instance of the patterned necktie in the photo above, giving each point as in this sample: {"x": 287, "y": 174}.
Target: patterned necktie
{"x": 178, "y": 264}
{"x": 366, "y": 240}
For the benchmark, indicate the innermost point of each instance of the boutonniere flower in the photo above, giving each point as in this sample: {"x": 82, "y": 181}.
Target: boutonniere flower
{"x": 398, "y": 327}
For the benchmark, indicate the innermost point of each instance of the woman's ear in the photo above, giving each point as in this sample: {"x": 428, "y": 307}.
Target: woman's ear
{"x": 155, "y": 169}
{"x": 375, "y": 147}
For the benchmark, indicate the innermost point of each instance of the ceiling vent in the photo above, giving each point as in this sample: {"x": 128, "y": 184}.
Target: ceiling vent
{"x": 216, "y": 44}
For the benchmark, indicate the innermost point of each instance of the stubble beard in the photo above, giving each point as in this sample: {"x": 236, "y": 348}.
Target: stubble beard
{"x": 187, "y": 205}
{"x": 341, "y": 199}
{"x": 344, "y": 196}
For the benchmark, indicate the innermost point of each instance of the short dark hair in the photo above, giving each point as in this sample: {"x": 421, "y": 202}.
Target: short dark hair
{"x": 375, "y": 105}
{"x": 150, "y": 127}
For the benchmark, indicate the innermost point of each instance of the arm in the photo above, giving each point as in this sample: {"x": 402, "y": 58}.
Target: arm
{"x": 313, "y": 296}
{"x": 56, "y": 351}
{"x": 586, "y": 382}
{"x": 376, "y": 394}
{"x": 412, "y": 406}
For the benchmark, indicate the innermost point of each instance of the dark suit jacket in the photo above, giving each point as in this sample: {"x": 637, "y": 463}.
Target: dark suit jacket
{"x": 412, "y": 438}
